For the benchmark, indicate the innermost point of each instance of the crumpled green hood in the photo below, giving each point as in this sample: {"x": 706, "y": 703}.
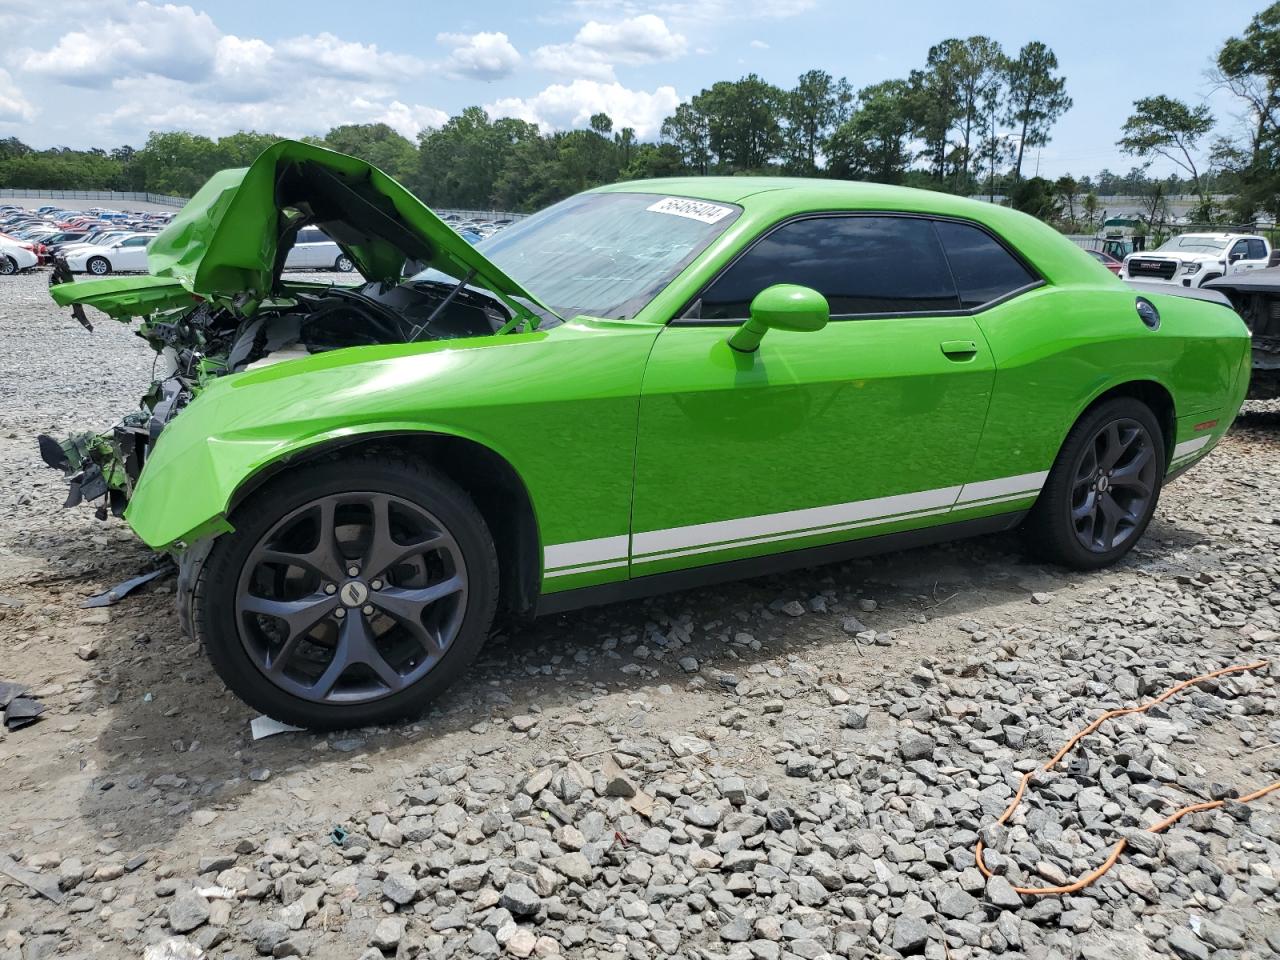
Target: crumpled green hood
{"x": 230, "y": 241}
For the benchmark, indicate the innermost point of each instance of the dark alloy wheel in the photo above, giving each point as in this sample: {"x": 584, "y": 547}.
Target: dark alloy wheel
{"x": 1103, "y": 488}
{"x": 349, "y": 596}
{"x": 1115, "y": 482}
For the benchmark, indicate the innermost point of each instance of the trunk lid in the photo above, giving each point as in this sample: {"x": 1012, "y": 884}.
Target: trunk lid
{"x": 230, "y": 241}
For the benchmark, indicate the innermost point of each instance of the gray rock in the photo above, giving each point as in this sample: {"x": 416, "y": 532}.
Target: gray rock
{"x": 1185, "y": 945}
{"x": 910, "y": 934}
{"x": 187, "y": 912}
{"x": 400, "y": 888}
{"x": 1000, "y": 894}
{"x": 916, "y": 746}
{"x": 519, "y": 899}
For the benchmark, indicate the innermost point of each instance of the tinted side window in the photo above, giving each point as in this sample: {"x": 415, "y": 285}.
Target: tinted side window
{"x": 1240, "y": 249}
{"x": 862, "y": 265}
{"x": 1257, "y": 250}
{"x": 984, "y": 270}
{"x": 309, "y": 236}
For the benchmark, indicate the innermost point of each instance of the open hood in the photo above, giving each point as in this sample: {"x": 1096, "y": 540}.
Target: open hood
{"x": 230, "y": 241}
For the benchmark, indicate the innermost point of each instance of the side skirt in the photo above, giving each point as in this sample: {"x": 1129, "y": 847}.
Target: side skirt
{"x": 749, "y": 567}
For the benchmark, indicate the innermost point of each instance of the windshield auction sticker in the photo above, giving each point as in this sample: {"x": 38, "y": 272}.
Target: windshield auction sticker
{"x": 691, "y": 209}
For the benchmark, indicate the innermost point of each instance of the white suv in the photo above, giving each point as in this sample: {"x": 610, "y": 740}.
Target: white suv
{"x": 1195, "y": 258}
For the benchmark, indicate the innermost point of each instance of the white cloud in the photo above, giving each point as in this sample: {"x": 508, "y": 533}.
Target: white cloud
{"x": 480, "y": 56}
{"x": 598, "y": 46}
{"x": 144, "y": 38}
{"x": 691, "y": 11}
{"x": 347, "y": 59}
{"x": 759, "y": 45}
{"x": 410, "y": 120}
{"x": 169, "y": 105}
{"x": 14, "y": 107}
{"x": 563, "y": 106}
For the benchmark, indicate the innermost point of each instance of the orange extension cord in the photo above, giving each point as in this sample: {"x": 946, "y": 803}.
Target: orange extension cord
{"x": 1155, "y": 828}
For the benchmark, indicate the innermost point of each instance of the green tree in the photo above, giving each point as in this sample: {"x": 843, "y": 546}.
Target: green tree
{"x": 1037, "y": 97}
{"x": 814, "y": 108}
{"x": 1067, "y": 188}
{"x": 742, "y": 123}
{"x": 177, "y": 162}
{"x": 1090, "y": 207}
{"x": 978, "y": 65}
{"x": 459, "y": 165}
{"x": 1166, "y": 127}
{"x": 1249, "y": 67}
{"x": 873, "y": 144}
{"x": 1034, "y": 196}
{"x": 376, "y": 143}
{"x": 688, "y": 130}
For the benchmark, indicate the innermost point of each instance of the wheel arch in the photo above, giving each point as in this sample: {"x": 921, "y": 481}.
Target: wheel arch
{"x": 1151, "y": 392}
{"x": 499, "y": 492}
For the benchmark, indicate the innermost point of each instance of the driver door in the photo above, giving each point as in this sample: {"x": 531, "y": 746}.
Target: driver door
{"x": 867, "y": 426}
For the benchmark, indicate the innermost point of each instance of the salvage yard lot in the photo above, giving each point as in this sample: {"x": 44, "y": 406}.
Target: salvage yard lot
{"x": 791, "y": 766}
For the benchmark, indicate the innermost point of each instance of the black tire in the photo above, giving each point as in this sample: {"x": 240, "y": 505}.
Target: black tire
{"x": 1052, "y": 531}
{"x": 344, "y": 264}
{"x": 216, "y": 596}
{"x": 98, "y": 266}
{"x": 8, "y": 266}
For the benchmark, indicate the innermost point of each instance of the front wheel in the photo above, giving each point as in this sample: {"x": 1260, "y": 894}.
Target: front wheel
{"x": 352, "y": 592}
{"x": 98, "y": 266}
{"x": 1103, "y": 487}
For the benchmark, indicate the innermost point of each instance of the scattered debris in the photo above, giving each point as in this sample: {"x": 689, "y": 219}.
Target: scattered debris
{"x": 122, "y": 590}
{"x": 20, "y": 708}
{"x": 264, "y": 726}
{"x": 46, "y": 888}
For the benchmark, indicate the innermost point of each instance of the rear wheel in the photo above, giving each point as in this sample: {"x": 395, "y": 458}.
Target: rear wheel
{"x": 352, "y": 592}
{"x": 1103, "y": 488}
{"x": 343, "y": 264}
{"x": 98, "y": 266}
{"x": 8, "y": 266}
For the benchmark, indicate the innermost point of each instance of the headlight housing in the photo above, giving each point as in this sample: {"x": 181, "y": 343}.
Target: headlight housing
{"x": 1191, "y": 267}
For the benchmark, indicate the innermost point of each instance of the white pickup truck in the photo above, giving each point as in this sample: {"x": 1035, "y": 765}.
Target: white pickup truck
{"x": 1193, "y": 259}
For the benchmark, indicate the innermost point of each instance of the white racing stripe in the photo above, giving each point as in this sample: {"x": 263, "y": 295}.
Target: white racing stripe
{"x": 792, "y": 522}
{"x": 1187, "y": 447}
{"x": 607, "y": 553}
{"x": 1025, "y": 483}
{"x": 584, "y": 552}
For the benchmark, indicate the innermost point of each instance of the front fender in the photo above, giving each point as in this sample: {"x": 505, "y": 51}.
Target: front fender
{"x": 559, "y": 407}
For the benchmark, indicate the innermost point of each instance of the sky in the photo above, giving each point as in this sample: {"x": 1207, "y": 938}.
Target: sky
{"x": 82, "y": 73}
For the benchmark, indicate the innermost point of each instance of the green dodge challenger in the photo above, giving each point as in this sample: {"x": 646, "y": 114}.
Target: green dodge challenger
{"x": 647, "y": 386}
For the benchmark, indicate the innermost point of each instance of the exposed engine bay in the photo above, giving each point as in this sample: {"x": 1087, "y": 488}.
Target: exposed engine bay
{"x": 206, "y": 341}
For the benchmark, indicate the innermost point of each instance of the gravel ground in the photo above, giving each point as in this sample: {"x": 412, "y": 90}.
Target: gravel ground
{"x": 791, "y": 767}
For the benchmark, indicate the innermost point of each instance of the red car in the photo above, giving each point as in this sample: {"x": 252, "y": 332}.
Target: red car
{"x": 1107, "y": 260}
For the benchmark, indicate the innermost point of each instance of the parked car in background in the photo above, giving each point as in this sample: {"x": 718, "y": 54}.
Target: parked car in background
{"x": 1193, "y": 259}
{"x": 15, "y": 258}
{"x": 1107, "y": 260}
{"x": 1256, "y": 297}
{"x": 647, "y": 386}
{"x": 314, "y": 250}
{"x": 125, "y": 255}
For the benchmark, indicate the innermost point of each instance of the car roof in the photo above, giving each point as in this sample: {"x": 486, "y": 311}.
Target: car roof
{"x": 806, "y": 192}
{"x": 771, "y": 199}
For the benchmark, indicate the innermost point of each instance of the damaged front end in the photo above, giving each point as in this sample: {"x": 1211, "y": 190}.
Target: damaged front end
{"x": 214, "y": 303}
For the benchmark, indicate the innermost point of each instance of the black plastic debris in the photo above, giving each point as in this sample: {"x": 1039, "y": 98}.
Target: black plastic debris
{"x": 122, "y": 590}
{"x": 19, "y": 707}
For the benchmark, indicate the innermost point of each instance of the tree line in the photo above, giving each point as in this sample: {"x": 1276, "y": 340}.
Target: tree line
{"x": 966, "y": 121}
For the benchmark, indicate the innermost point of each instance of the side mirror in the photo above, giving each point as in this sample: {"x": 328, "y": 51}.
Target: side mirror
{"x": 784, "y": 306}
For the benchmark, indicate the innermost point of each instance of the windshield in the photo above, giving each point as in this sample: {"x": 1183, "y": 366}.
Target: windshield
{"x": 605, "y": 254}
{"x": 1192, "y": 244}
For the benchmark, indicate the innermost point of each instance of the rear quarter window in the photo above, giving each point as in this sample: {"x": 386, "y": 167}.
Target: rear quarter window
{"x": 983, "y": 268}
